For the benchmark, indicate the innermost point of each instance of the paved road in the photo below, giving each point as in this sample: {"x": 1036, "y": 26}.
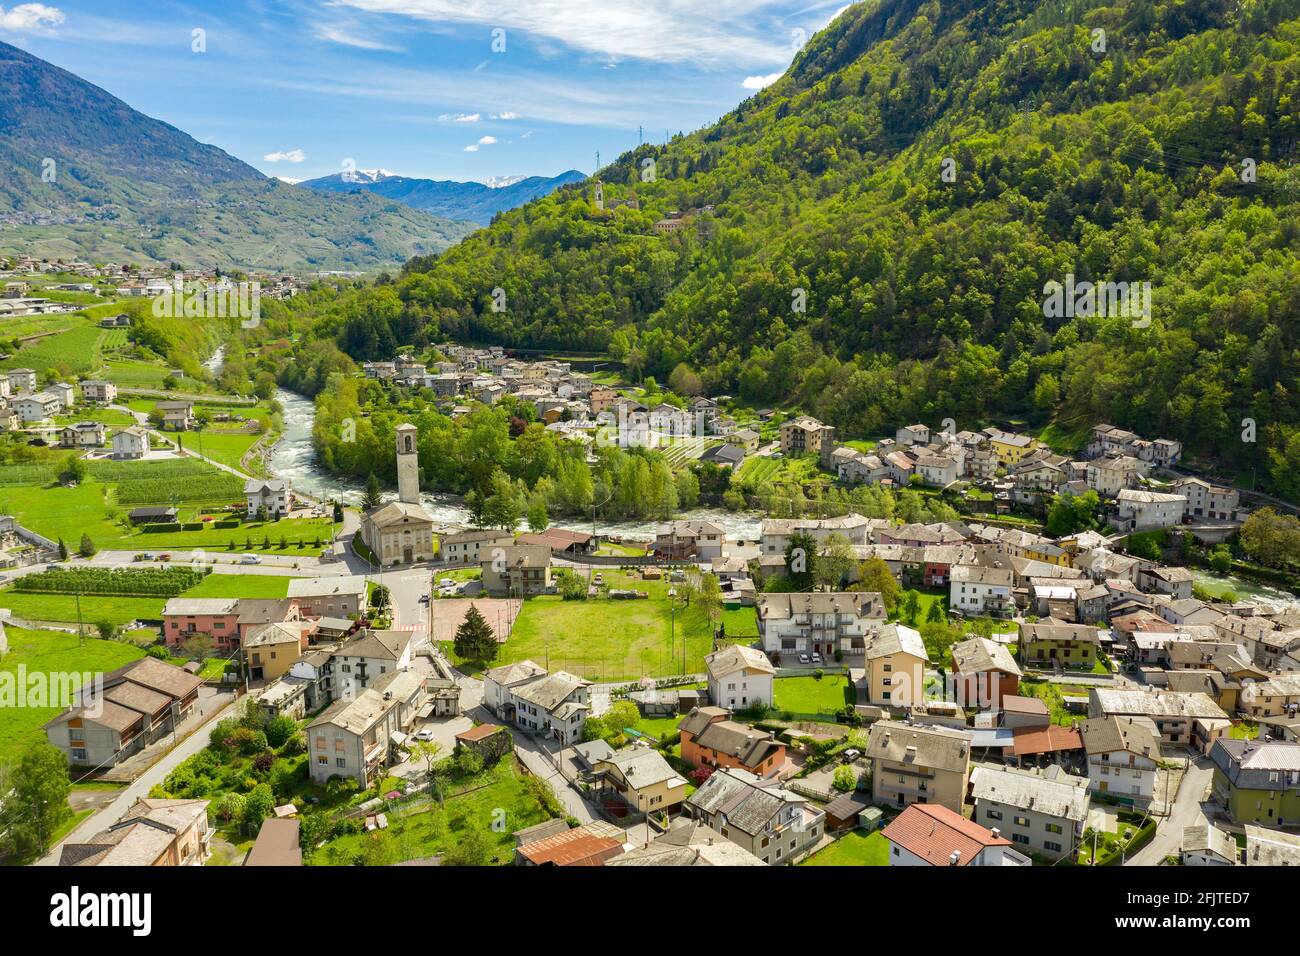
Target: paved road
{"x": 140, "y": 788}
{"x": 1187, "y": 811}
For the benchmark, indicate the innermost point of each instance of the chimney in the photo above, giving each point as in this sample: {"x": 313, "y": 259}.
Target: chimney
{"x": 955, "y": 858}
{"x": 997, "y": 834}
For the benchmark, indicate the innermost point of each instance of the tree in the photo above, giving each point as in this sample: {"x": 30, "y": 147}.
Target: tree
{"x": 73, "y": 471}
{"x": 1221, "y": 560}
{"x": 34, "y": 799}
{"x": 380, "y": 598}
{"x": 258, "y": 805}
{"x": 621, "y": 715}
{"x": 710, "y": 601}
{"x": 833, "y": 562}
{"x": 471, "y": 848}
{"x": 475, "y": 640}
{"x": 911, "y": 606}
{"x": 198, "y": 647}
{"x": 279, "y": 729}
{"x": 428, "y": 751}
{"x": 800, "y": 559}
{"x": 538, "y": 519}
{"x": 338, "y": 512}
{"x": 845, "y": 779}
{"x": 876, "y": 576}
{"x": 108, "y": 630}
{"x": 63, "y": 550}
{"x": 684, "y": 381}
{"x": 371, "y": 498}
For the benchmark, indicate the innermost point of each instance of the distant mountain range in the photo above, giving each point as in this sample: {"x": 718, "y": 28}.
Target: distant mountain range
{"x": 475, "y": 202}
{"x": 83, "y": 175}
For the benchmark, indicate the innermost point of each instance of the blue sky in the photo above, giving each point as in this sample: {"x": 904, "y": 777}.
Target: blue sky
{"x": 445, "y": 89}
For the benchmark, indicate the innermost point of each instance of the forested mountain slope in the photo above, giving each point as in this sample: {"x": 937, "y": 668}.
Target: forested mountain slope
{"x": 1105, "y": 141}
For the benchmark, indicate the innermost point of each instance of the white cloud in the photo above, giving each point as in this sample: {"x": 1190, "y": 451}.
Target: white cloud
{"x": 346, "y": 38}
{"x": 482, "y": 141}
{"x": 285, "y": 156}
{"x": 758, "y": 82}
{"x": 460, "y": 117}
{"x": 30, "y": 16}
{"x": 673, "y": 31}
{"x": 505, "y": 116}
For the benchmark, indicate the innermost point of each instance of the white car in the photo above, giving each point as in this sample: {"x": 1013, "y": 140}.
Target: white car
{"x": 816, "y": 658}
{"x": 803, "y": 658}
{"x": 425, "y": 734}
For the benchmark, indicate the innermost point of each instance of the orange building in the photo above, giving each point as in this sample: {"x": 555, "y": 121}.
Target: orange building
{"x": 709, "y": 739}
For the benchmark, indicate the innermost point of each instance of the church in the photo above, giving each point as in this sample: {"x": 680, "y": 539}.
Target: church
{"x": 401, "y": 531}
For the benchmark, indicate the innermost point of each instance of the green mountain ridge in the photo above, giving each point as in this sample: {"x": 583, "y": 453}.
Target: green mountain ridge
{"x": 924, "y": 298}
{"x": 82, "y": 175}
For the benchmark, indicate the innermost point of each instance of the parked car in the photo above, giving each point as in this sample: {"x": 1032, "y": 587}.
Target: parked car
{"x": 164, "y": 557}
{"x": 850, "y": 755}
{"x": 816, "y": 658}
{"x": 425, "y": 733}
{"x": 803, "y": 658}
{"x": 251, "y": 559}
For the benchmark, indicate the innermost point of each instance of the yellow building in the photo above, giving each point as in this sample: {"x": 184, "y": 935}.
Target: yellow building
{"x": 918, "y": 765}
{"x": 271, "y": 649}
{"x": 894, "y": 666}
{"x": 1011, "y": 448}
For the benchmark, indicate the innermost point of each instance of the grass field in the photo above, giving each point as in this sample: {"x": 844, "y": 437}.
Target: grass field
{"x": 1051, "y": 695}
{"x": 427, "y": 829}
{"x": 50, "y": 652}
{"x": 241, "y": 585}
{"x": 94, "y": 608}
{"x": 808, "y": 695}
{"x": 855, "y": 848}
{"x": 740, "y": 622}
{"x": 221, "y": 445}
{"x": 610, "y": 640}
{"x": 78, "y": 349}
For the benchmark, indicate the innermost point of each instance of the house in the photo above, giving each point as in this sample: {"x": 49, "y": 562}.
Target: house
{"x": 36, "y": 407}
{"x": 176, "y": 416}
{"x": 153, "y": 832}
{"x": 805, "y": 436}
{"x": 643, "y": 779}
{"x": 1189, "y": 719}
{"x": 709, "y": 739}
{"x": 1044, "y": 814}
{"x": 894, "y": 661}
{"x": 97, "y": 390}
{"x": 1205, "y": 500}
{"x": 984, "y": 673}
{"x": 1257, "y": 781}
{"x": 21, "y": 380}
{"x": 725, "y": 455}
{"x": 592, "y": 844}
{"x": 1204, "y": 844}
{"x": 976, "y": 590}
{"x": 1141, "y": 510}
{"x": 746, "y": 439}
{"x": 352, "y": 737}
{"x": 1266, "y": 847}
{"x": 1109, "y": 476}
{"x": 560, "y": 539}
{"x": 690, "y": 541}
{"x": 368, "y": 658}
{"x": 1175, "y": 582}
{"x": 465, "y": 547}
{"x": 526, "y": 696}
{"x": 66, "y": 395}
{"x": 398, "y": 532}
{"x": 336, "y": 596}
{"x": 1123, "y": 756}
{"x": 739, "y": 677}
{"x": 286, "y": 695}
{"x": 687, "y": 842}
{"x": 276, "y": 844}
{"x": 818, "y": 622}
{"x": 152, "y": 515}
{"x": 132, "y": 442}
{"x": 271, "y": 649}
{"x": 1008, "y": 447}
{"x": 1051, "y": 645}
{"x": 490, "y": 741}
{"x": 82, "y": 435}
{"x": 517, "y": 570}
{"x": 914, "y": 764}
{"x": 931, "y": 835}
{"x": 1279, "y": 696}
{"x": 271, "y": 496}
{"x": 123, "y": 712}
{"x": 216, "y": 617}
{"x": 760, "y": 816}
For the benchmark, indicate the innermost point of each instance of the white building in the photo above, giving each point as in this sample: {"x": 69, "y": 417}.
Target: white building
{"x": 1141, "y": 510}
{"x": 1123, "y": 755}
{"x": 130, "y": 442}
{"x": 739, "y": 677}
{"x": 273, "y": 494}
{"x": 524, "y": 695}
{"x": 973, "y": 589}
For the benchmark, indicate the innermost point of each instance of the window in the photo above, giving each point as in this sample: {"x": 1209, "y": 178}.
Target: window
{"x": 1054, "y": 847}
{"x": 1022, "y": 821}
{"x": 340, "y": 761}
{"x": 1054, "y": 828}
{"x": 994, "y": 814}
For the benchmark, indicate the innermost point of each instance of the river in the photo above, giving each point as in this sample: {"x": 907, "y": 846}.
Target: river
{"x": 1245, "y": 590}
{"x": 294, "y": 458}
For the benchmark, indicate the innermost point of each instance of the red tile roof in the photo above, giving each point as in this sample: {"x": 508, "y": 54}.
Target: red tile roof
{"x": 481, "y": 732}
{"x": 1042, "y": 740}
{"x": 571, "y": 848}
{"x": 934, "y": 833}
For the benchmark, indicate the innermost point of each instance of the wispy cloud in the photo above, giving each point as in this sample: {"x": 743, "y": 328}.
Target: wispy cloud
{"x": 30, "y": 16}
{"x": 460, "y": 117}
{"x": 672, "y": 31}
{"x": 758, "y": 82}
{"x": 346, "y": 37}
{"x": 507, "y": 115}
{"x": 285, "y": 156}
{"x": 482, "y": 141}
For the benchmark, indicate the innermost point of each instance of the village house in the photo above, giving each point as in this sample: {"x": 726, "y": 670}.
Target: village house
{"x": 893, "y": 666}
{"x": 1140, "y": 510}
{"x": 353, "y": 737}
{"x": 1009, "y": 448}
{"x": 132, "y": 442}
{"x": 524, "y": 695}
{"x": 153, "y": 832}
{"x": 710, "y": 739}
{"x": 271, "y": 649}
{"x": 1257, "y": 782}
{"x": 1188, "y": 720}
{"x": 176, "y": 416}
{"x": 643, "y": 779}
{"x": 1123, "y": 755}
{"x": 818, "y": 622}
{"x": 466, "y": 547}
{"x": 930, "y": 835}
{"x": 1109, "y": 476}
{"x": 1051, "y": 644}
{"x": 368, "y": 658}
{"x": 517, "y": 570}
{"x": 82, "y": 435}
{"x": 96, "y": 390}
{"x": 36, "y": 408}
{"x": 271, "y": 494}
{"x": 739, "y": 677}
{"x": 759, "y": 815}
{"x": 914, "y": 764}
{"x": 976, "y": 590}
{"x": 1204, "y": 844}
{"x": 132, "y": 707}
{"x": 690, "y": 541}
{"x": 1208, "y": 501}
{"x": 984, "y": 673}
{"x": 1279, "y": 696}
{"x": 1044, "y": 814}
{"x": 805, "y": 436}
{"x": 333, "y": 596}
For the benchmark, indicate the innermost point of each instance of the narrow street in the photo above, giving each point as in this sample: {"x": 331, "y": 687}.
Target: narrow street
{"x": 1186, "y": 812}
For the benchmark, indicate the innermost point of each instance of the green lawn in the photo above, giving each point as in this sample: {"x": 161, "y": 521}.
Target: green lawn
{"x": 1051, "y": 694}
{"x": 740, "y": 622}
{"x": 659, "y": 727}
{"x": 808, "y": 695}
{"x": 221, "y": 445}
{"x": 610, "y": 640}
{"x": 94, "y": 608}
{"x": 430, "y": 830}
{"x": 241, "y": 585}
{"x": 855, "y": 848}
{"x": 50, "y": 652}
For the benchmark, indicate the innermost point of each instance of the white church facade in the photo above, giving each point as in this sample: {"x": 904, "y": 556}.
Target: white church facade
{"x": 401, "y": 531}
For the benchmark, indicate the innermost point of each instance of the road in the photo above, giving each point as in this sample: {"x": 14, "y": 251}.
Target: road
{"x": 1187, "y": 811}
{"x": 93, "y": 824}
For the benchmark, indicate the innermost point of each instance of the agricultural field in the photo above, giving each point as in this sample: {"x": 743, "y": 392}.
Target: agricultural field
{"x": 77, "y": 350}
{"x": 682, "y": 452}
{"x": 51, "y": 652}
